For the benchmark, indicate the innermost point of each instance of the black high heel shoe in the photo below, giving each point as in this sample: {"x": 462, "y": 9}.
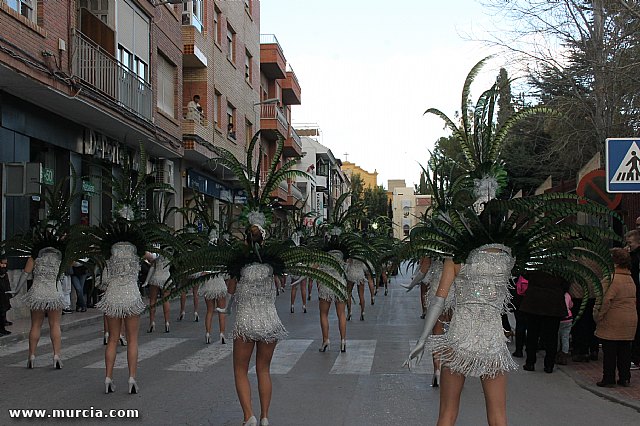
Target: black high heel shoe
{"x": 362, "y": 316}
{"x": 324, "y": 347}
{"x": 181, "y": 316}
{"x": 349, "y": 316}
{"x": 123, "y": 341}
{"x": 152, "y": 327}
{"x": 343, "y": 346}
{"x": 166, "y": 327}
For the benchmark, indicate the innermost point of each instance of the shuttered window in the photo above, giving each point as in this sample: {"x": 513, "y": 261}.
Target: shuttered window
{"x": 133, "y": 30}
{"x": 166, "y": 86}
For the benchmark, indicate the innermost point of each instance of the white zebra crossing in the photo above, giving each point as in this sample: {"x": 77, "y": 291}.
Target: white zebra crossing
{"x": 357, "y": 360}
{"x": 287, "y": 354}
{"x": 145, "y": 351}
{"x": 203, "y": 359}
{"x": 69, "y": 352}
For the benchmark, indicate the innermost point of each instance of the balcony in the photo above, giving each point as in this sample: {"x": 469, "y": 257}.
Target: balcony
{"x": 191, "y": 13}
{"x": 291, "y": 92}
{"x": 272, "y": 61}
{"x": 292, "y": 144}
{"x": 273, "y": 123}
{"x": 294, "y": 196}
{"x": 97, "y": 68}
{"x": 194, "y": 46}
{"x": 280, "y": 193}
{"x": 197, "y": 133}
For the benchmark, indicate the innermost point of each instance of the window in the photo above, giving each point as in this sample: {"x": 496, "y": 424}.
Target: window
{"x": 192, "y": 13}
{"x": 99, "y": 8}
{"x": 248, "y": 67}
{"x": 166, "y": 85}
{"x": 231, "y": 44}
{"x": 25, "y": 8}
{"x": 217, "y": 102}
{"x": 231, "y": 122}
{"x": 133, "y": 39}
{"x": 216, "y": 25}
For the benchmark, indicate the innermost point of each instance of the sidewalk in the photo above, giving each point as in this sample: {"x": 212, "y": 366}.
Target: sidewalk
{"x": 586, "y": 374}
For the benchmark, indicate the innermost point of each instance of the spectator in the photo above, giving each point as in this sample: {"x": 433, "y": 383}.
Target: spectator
{"x": 544, "y": 307}
{"x": 194, "y": 110}
{"x": 565, "y": 331}
{"x": 5, "y": 296}
{"x": 518, "y": 292}
{"x": 230, "y": 132}
{"x": 616, "y": 322}
{"x": 65, "y": 285}
{"x": 585, "y": 343}
{"x": 632, "y": 239}
{"x": 78, "y": 277}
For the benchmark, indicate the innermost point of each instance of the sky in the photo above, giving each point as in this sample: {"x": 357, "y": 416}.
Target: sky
{"x": 369, "y": 69}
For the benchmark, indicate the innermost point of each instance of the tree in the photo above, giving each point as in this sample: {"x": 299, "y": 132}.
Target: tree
{"x": 357, "y": 188}
{"x": 585, "y": 67}
{"x": 422, "y": 188}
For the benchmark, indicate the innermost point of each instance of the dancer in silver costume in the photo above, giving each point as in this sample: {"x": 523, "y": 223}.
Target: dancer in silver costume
{"x": 122, "y": 299}
{"x": 44, "y": 297}
{"x": 355, "y": 270}
{"x": 325, "y": 298}
{"x": 158, "y": 281}
{"x": 214, "y": 291}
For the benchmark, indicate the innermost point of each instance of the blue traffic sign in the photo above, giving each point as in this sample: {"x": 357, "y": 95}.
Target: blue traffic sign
{"x": 623, "y": 164}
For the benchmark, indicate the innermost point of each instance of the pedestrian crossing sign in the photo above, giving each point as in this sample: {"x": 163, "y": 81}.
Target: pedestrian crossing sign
{"x": 623, "y": 164}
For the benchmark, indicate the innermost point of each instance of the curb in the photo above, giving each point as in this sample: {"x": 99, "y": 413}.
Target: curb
{"x": 614, "y": 397}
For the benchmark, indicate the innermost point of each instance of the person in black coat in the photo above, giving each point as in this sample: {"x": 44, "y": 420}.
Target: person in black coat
{"x": 5, "y": 296}
{"x": 544, "y": 306}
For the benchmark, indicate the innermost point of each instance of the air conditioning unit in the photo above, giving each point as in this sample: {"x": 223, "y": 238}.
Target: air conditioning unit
{"x": 164, "y": 171}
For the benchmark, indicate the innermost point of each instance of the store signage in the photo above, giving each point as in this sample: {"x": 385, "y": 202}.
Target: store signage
{"x": 47, "y": 176}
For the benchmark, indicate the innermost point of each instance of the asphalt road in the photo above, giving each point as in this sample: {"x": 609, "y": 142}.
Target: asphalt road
{"x": 185, "y": 382}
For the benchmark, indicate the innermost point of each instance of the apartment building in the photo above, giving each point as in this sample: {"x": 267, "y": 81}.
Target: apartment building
{"x": 404, "y": 211}
{"x": 327, "y": 181}
{"x": 279, "y": 91}
{"x": 84, "y": 83}
{"x": 221, "y": 42}
{"x": 369, "y": 179}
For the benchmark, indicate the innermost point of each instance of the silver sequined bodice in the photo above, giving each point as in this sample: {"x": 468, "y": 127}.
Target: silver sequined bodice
{"x": 256, "y": 315}
{"x": 46, "y": 292}
{"x": 161, "y": 273}
{"x": 475, "y": 344}
{"x": 355, "y": 271}
{"x": 325, "y": 292}
{"x": 120, "y": 277}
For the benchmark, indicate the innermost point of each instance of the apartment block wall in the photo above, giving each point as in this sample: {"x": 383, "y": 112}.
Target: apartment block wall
{"x": 229, "y": 78}
{"x": 166, "y": 39}
{"x": 29, "y": 39}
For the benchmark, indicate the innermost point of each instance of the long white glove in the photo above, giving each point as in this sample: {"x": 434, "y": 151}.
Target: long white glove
{"x": 227, "y": 307}
{"x": 21, "y": 282}
{"x": 435, "y": 310}
{"x": 152, "y": 270}
{"x": 417, "y": 278}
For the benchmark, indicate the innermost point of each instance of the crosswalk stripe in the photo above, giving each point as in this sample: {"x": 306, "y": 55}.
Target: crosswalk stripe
{"x": 287, "y": 354}
{"x": 357, "y": 360}
{"x": 145, "y": 351}
{"x": 24, "y": 346}
{"x": 71, "y": 351}
{"x": 202, "y": 359}
{"x": 425, "y": 366}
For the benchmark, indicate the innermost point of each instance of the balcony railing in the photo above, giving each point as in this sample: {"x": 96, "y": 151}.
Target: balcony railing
{"x": 271, "y": 111}
{"x": 98, "y": 68}
{"x": 197, "y": 116}
{"x": 296, "y": 139}
{"x": 268, "y": 39}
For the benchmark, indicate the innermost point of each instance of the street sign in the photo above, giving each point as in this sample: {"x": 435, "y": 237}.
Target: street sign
{"x": 593, "y": 187}
{"x": 623, "y": 164}
{"x": 47, "y": 176}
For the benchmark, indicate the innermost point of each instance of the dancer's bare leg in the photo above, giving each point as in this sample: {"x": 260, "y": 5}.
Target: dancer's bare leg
{"x": 264, "y": 354}
{"x": 450, "y": 390}
{"x": 241, "y": 356}
{"x": 324, "y": 318}
{"x": 495, "y": 398}
{"x": 37, "y": 318}
{"x": 131, "y": 329}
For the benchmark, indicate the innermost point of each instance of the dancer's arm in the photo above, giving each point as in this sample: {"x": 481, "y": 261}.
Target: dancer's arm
{"x": 425, "y": 264}
{"x": 449, "y": 273}
{"x": 231, "y": 294}
{"x": 28, "y": 268}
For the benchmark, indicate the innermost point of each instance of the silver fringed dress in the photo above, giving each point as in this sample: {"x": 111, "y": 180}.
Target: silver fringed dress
{"x": 355, "y": 271}
{"x": 325, "y": 292}
{"x": 121, "y": 297}
{"x": 256, "y": 315}
{"x": 214, "y": 288}
{"x": 46, "y": 293}
{"x": 161, "y": 274}
{"x": 475, "y": 344}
